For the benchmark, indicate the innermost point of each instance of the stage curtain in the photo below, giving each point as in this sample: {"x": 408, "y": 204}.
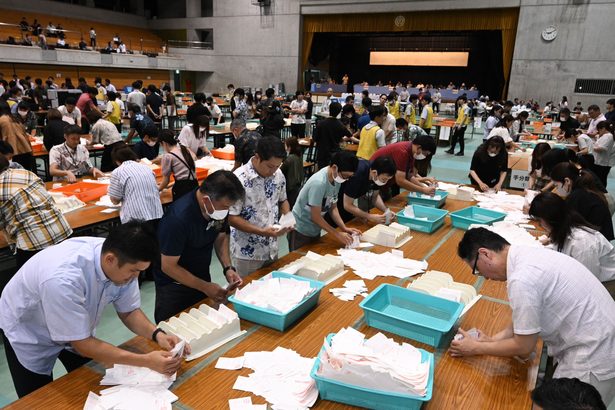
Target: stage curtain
{"x": 446, "y": 20}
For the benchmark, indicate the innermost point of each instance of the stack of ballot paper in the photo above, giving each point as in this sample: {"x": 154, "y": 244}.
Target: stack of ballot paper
{"x": 325, "y": 268}
{"x": 105, "y": 201}
{"x": 514, "y": 234}
{"x": 369, "y": 265}
{"x": 214, "y": 164}
{"x": 66, "y": 203}
{"x": 286, "y": 221}
{"x": 393, "y": 235}
{"x": 441, "y": 284}
{"x": 351, "y": 289}
{"x": 282, "y": 377}
{"x": 279, "y": 294}
{"x": 378, "y": 363}
{"x": 511, "y": 205}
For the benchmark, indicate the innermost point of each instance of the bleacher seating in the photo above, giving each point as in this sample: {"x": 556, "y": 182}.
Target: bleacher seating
{"x": 131, "y": 36}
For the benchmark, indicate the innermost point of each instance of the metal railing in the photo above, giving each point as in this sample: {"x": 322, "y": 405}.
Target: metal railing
{"x": 205, "y": 45}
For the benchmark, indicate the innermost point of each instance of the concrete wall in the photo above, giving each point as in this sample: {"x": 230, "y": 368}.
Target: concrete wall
{"x": 548, "y": 70}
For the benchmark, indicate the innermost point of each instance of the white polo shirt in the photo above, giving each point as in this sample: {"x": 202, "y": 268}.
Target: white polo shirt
{"x": 593, "y": 250}
{"x": 557, "y": 297}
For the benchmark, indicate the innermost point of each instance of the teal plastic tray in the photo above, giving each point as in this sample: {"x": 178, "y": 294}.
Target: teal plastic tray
{"x": 277, "y": 320}
{"x": 435, "y": 218}
{"x": 463, "y": 218}
{"x": 415, "y": 315}
{"x": 367, "y": 398}
{"x": 417, "y": 198}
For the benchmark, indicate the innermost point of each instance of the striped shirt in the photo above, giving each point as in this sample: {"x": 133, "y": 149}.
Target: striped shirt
{"x": 27, "y": 212}
{"x": 135, "y": 185}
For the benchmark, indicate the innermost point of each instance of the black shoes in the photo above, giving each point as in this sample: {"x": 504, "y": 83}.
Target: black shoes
{"x": 449, "y": 151}
{"x": 459, "y": 154}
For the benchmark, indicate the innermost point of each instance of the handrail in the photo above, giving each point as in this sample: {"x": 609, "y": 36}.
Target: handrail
{"x": 209, "y": 45}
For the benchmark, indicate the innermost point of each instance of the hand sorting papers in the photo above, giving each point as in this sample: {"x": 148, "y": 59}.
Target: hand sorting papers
{"x": 369, "y": 265}
{"x": 377, "y": 363}
{"x": 282, "y": 377}
{"x": 279, "y": 294}
{"x": 351, "y": 289}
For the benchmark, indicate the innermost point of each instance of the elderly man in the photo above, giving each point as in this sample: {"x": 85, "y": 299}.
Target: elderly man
{"x": 595, "y": 117}
{"x": 553, "y": 297}
{"x": 245, "y": 142}
{"x": 330, "y": 99}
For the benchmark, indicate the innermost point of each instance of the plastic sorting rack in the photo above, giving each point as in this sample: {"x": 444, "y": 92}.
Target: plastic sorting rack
{"x": 324, "y": 269}
{"x": 426, "y": 219}
{"x": 393, "y": 236}
{"x": 417, "y": 316}
{"x": 431, "y": 282}
{"x": 474, "y": 215}
{"x": 205, "y": 328}
{"x": 436, "y": 201}
{"x": 368, "y": 398}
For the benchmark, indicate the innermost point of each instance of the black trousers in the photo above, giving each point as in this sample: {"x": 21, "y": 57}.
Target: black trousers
{"x": 297, "y": 240}
{"x": 602, "y": 172}
{"x": 26, "y": 381}
{"x": 297, "y": 130}
{"x": 171, "y": 299}
{"x": 458, "y": 136}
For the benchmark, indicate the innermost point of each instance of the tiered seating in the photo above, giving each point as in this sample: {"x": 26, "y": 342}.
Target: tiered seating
{"x": 131, "y": 36}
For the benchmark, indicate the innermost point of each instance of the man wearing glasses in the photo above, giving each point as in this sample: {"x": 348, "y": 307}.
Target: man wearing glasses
{"x": 552, "y": 296}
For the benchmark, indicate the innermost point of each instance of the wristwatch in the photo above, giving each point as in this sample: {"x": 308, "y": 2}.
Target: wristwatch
{"x": 158, "y": 330}
{"x": 227, "y": 268}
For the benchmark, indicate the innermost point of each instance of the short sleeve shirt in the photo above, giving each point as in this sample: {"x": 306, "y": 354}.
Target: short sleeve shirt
{"x": 359, "y": 184}
{"x": 401, "y": 153}
{"x": 57, "y": 297}
{"x": 140, "y": 122}
{"x": 189, "y": 140}
{"x": 261, "y": 207}
{"x": 105, "y": 132}
{"x": 185, "y": 232}
{"x": 245, "y": 145}
{"x": 76, "y": 161}
{"x": 317, "y": 191}
{"x": 135, "y": 185}
{"x": 75, "y": 116}
{"x": 298, "y": 118}
{"x": 556, "y": 297}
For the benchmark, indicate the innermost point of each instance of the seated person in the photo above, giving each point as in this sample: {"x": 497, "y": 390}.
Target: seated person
{"x": 71, "y": 160}
{"x": 149, "y": 146}
{"x": 7, "y": 150}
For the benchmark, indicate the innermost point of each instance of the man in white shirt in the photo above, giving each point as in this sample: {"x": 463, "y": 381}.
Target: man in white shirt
{"x": 388, "y": 126}
{"x": 436, "y": 99}
{"x": 298, "y": 108}
{"x": 70, "y": 113}
{"x": 327, "y": 102}
{"x": 136, "y": 96}
{"x": 109, "y": 86}
{"x": 593, "y": 111}
{"x": 552, "y": 296}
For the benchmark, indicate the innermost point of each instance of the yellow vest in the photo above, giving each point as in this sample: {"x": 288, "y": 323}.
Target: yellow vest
{"x": 115, "y": 115}
{"x": 429, "y": 119}
{"x": 411, "y": 118}
{"x": 394, "y": 109}
{"x": 367, "y": 142}
{"x": 462, "y": 119}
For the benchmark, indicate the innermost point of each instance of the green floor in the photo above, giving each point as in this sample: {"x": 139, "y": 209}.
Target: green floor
{"x": 444, "y": 167}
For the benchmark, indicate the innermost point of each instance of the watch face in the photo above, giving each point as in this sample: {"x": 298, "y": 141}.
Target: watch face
{"x": 549, "y": 33}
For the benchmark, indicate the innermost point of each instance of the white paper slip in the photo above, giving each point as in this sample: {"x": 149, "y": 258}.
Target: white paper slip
{"x": 287, "y": 220}
{"x": 108, "y": 210}
{"x": 243, "y": 383}
{"x": 244, "y": 403}
{"x": 230, "y": 363}
{"x": 178, "y": 350}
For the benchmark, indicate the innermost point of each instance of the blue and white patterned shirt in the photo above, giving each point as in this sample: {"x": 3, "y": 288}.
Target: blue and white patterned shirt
{"x": 261, "y": 207}
{"x": 135, "y": 185}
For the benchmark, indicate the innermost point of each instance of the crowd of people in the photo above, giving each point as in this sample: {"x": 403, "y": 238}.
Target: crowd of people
{"x": 234, "y": 214}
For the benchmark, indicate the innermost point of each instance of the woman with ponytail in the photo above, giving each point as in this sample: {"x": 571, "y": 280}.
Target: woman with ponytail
{"x": 179, "y": 161}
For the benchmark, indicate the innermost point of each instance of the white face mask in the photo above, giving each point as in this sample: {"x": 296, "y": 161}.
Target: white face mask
{"x": 23, "y": 113}
{"x": 561, "y": 191}
{"x": 562, "y": 119}
{"x": 151, "y": 143}
{"x": 493, "y": 154}
{"x": 217, "y": 215}
{"x": 378, "y": 182}
{"x": 338, "y": 178}
{"x": 419, "y": 156}
{"x": 539, "y": 172}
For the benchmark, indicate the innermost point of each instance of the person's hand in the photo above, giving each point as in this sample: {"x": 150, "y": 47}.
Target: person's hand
{"x": 233, "y": 277}
{"x": 163, "y": 362}
{"x": 377, "y": 219}
{"x": 468, "y": 346}
{"x": 70, "y": 177}
{"x": 497, "y": 188}
{"x": 216, "y": 292}
{"x": 97, "y": 173}
{"x": 483, "y": 187}
{"x": 168, "y": 342}
{"x": 353, "y": 231}
{"x": 344, "y": 238}
{"x": 429, "y": 190}
{"x": 273, "y": 232}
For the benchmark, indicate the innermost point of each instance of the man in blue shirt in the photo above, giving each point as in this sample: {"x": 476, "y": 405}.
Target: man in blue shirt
{"x": 138, "y": 122}
{"x": 51, "y": 308}
{"x": 191, "y": 229}
{"x": 364, "y": 119}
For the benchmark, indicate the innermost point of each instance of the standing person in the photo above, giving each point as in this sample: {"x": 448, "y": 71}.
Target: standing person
{"x": 563, "y": 103}
{"x": 87, "y": 101}
{"x": 328, "y": 135}
{"x": 273, "y": 120}
{"x": 134, "y": 186}
{"x": 92, "y": 37}
{"x": 109, "y": 87}
{"x": 194, "y": 136}
{"x": 179, "y": 161}
{"x": 114, "y": 112}
{"x": 492, "y": 121}
{"x": 245, "y": 142}
{"x": 190, "y": 230}
{"x": 566, "y": 121}
{"x": 197, "y": 109}
{"x": 70, "y": 113}
{"x": 410, "y": 113}
{"x": 582, "y": 195}
{"x": 254, "y": 240}
{"x": 426, "y": 115}
{"x": 298, "y": 108}
{"x": 319, "y": 197}
{"x": 571, "y": 312}
{"x": 71, "y": 160}
{"x": 610, "y": 110}
{"x": 464, "y": 116}
{"x": 393, "y": 106}
{"x": 170, "y": 107}
{"x": 154, "y": 104}
{"x": 372, "y": 136}
{"x": 53, "y": 133}
{"x": 436, "y": 100}
{"x": 604, "y": 151}
{"x": 241, "y": 107}
{"x": 51, "y": 308}
{"x": 216, "y": 112}
{"x": 292, "y": 168}
{"x": 308, "y": 114}
{"x": 136, "y": 97}
{"x": 328, "y": 100}
{"x": 13, "y": 132}
{"x": 489, "y": 165}
{"x": 518, "y": 126}
{"x": 104, "y": 132}
{"x": 138, "y": 123}
{"x": 595, "y": 118}
{"x": 27, "y": 118}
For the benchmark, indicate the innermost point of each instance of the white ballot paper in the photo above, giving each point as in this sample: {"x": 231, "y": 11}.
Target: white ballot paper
{"x": 377, "y": 363}
{"x": 369, "y": 265}
{"x": 351, "y": 289}
{"x": 245, "y": 403}
{"x": 279, "y": 294}
{"x": 230, "y": 363}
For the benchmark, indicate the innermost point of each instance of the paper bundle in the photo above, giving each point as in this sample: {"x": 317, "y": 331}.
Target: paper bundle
{"x": 512, "y": 233}
{"x": 378, "y": 363}
{"x": 214, "y": 164}
{"x": 351, "y": 289}
{"x": 282, "y": 377}
{"x": 66, "y": 203}
{"x": 227, "y": 148}
{"x": 279, "y": 294}
{"x": 441, "y": 284}
{"x": 105, "y": 201}
{"x": 369, "y": 265}
{"x": 286, "y": 221}
{"x": 511, "y": 205}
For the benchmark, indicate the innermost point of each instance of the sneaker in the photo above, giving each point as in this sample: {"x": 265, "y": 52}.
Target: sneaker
{"x": 459, "y": 154}
{"x": 449, "y": 151}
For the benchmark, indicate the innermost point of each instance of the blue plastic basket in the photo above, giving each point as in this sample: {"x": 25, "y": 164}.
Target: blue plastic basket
{"x": 417, "y": 198}
{"x": 277, "y": 320}
{"x": 463, "y": 218}
{"x": 415, "y": 315}
{"x": 372, "y": 399}
{"x": 435, "y": 218}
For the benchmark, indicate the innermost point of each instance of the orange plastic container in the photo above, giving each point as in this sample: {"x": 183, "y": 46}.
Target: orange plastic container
{"x": 85, "y": 191}
{"x": 38, "y": 147}
{"x": 223, "y": 155}
{"x": 201, "y": 173}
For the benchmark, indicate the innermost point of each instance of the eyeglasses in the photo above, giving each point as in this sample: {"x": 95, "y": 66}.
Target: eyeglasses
{"x": 474, "y": 271}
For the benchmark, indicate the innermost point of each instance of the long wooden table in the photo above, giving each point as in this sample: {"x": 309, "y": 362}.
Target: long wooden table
{"x": 475, "y": 382}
